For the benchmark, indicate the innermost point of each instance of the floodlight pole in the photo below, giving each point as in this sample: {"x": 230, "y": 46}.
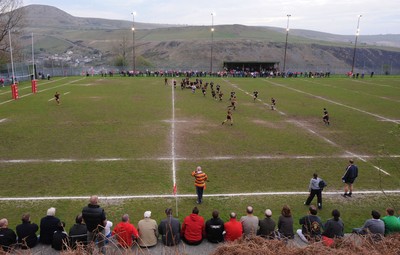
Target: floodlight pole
{"x": 133, "y": 44}
{"x": 355, "y": 43}
{"x": 12, "y": 60}
{"x": 287, "y": 34}
{"x": 212, "y": 42}
{"x": 33, "y": 61}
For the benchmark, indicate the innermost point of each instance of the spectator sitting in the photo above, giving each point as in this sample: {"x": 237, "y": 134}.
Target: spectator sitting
{"x": 249, "y": 223}
{"x": 48, "y": 225}
{"x": 311, "y": 226}
{"x": 334, "y": 227}
{"x": 215, "y": 228}
{"x": 392, "y": 223}
{"x": 169, "y": 229}
{"x": 27, "y": 232}
{"x": 267, "y": 226}
{"x": 107, "y": 230}
{"x": 285, "y": 223}
{"x": 78, "y": 232}
{"x": 125, "y": 232}
{"x": 193, "y": 229}
{"x": 60, "y": 238}
{"x": 233, "y": 228}
{"x": 7, "y": 236}
{"x": 148, "y": 231}
{"x": 374, "y": 226}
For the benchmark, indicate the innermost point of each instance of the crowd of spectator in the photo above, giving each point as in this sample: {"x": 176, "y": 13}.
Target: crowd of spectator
{"x": 91, "y": 224}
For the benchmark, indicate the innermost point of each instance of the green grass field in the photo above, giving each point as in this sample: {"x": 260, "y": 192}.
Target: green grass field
{"x": 132, "y": 136}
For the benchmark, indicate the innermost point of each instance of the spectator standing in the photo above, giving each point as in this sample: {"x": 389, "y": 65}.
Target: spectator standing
{"x": 215, "y": 228}
{"x": 125, "y": 232}
{"x": 95, "y": 219}
{"x": 26, "y": 232}
{"x": 392, "y": 224}
{"x": 199, "y": 183}
{"x": 267, "y": 226}
{"x": 311, "y": 226}
{"x": 314, "y": 189}
{"x": 170, "y": 229}
{"x": 8, "y": 238}
{"x": 334, "y": 227}
{"x": 148, "y": 231}
{"x": 349, "y": 177}
{"x": 78, "y": 232}
{"x": 48, "y": 225}
{"x": 233, "y": 228}
{"x": 249, "y": 223}
{"x": 60, "y": 238}
{"x": 374, "y": 226}
{"x": 285, "y": 223}
{"x": 193, "y": 229}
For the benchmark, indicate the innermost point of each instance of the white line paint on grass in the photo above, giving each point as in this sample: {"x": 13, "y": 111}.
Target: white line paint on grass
{"x": 173, "y": 139}
{"x": 216, "y": 158}
{"x": 2, "y": 120}
{"x": 288, "y": 193}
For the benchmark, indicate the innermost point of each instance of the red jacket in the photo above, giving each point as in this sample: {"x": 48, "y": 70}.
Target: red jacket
{"x": 234, "y": 230}
{"x": 125, "y": 233}
{"x": 193, "y": 228}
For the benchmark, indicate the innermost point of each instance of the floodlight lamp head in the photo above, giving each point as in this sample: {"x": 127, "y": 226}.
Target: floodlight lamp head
{"x": 133, "y": 29}
{"x": 133, "y": 13}
{"x": 213, "y": 14}
{"x": 212, "y": 29}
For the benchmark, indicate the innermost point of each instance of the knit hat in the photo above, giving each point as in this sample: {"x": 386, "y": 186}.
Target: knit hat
{"x": 147, "y": 214}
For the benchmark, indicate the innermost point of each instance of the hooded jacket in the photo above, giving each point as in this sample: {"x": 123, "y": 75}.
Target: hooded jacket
{"x": 193, "y": 228}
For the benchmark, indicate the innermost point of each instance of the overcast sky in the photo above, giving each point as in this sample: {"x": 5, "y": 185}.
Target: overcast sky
{"x": 331, "y": 16}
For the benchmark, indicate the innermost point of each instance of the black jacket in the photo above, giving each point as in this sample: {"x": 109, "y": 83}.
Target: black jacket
{"x": 214, "y": 230}
{"x": 94, "y": 217}
{"x": 27, "y": 234}
{"x": 48, "y": 225}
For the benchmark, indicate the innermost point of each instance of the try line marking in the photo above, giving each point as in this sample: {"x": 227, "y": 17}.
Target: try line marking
{"x": 292, "y": 193}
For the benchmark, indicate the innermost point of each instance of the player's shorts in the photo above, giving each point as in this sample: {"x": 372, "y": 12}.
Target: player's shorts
{"x": 349, "y": 181}
{"x": 228, "y": 117}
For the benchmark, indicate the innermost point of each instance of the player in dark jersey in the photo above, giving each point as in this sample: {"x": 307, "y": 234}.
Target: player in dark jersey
{"x": 273, "y": 103}
{"x": 57, "y": 97}
{"x": 220, "y": 94}
{"x": 233, "y": 103}
{"x": 203, "y": 90}
{"x": 228, "y": 117}
{"x": 325, "y": 117}
{"x": 255, "y": 95}
{"x": 213, "y": 94}
{"x": 218, "y": 88}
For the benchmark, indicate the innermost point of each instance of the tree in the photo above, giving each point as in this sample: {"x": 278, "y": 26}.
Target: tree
{"x": 121, "y": 58}
{"x": 10, "y": 19}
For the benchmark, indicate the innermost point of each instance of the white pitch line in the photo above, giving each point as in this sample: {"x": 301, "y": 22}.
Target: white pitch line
{"x": 2, "y": 120}
{"x": 173, "y": 139}
{"x": 216, "y": 158}
{"x": 288, "y": 193}
{"x": 66, "y": 93}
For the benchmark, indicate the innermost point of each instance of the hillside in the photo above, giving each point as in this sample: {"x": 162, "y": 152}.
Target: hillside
{"x": 99, "y": 41}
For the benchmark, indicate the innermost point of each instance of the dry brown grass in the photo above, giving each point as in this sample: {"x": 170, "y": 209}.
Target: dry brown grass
{"x": 352, "y": 244}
